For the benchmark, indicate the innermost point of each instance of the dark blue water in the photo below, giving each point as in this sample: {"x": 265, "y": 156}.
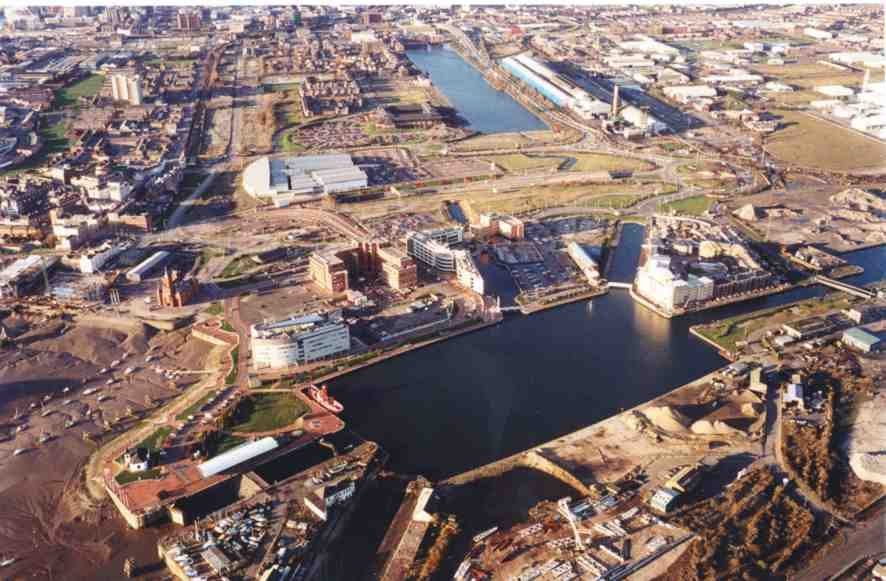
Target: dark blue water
{"x": 484, "y": 108}
{"x": 471, "y": 400}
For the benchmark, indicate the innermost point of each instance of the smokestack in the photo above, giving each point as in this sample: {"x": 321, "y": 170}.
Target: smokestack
{"x": 616, "y": 102}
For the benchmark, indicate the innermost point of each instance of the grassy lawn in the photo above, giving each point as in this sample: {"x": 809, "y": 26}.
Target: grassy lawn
{"x": 264, "y": 412}
{"x": 812, "y": 142}
{"x": 728, "y": 332}
{"x": 618, "y": 201}
{"x": 695, "y": 206}
{"x": 215, "y": 309}
{"x": 88, "y": 87}
{"x": 227, "y": 442}
{"x": 153, "y": 441}
{"x": 54, "y": 141}
{"x": 811, "y": 75}
{"x": 238, "y": 266}
{"x": 126, "y": 476}
{"x": 289, "y": 142}
{"x": 231, "y": 377}
{"x": 503, "y": 140}
{"x": 280, "y": 87}
{"x": 194, "y": 407}
{"x": 604, "y": 162}
{"x": 520, "y": 162}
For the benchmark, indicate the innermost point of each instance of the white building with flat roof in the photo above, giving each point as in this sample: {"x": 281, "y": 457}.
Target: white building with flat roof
{"x": 303, "y": 178}
{"x": 467, "y": 273}
{"x": 658, "y": 284}
{"x": 432, "y": 247}
{"x": 297, "y": 340}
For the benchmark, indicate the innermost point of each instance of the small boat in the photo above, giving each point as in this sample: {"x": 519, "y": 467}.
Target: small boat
{"x": 44, "y": 438}
{"x": 45, "y": 413}
{"x": 19, "y": 451}
{"x": 322, "y": 397}
{"x": 7, "y": 561}
{"x": 21, "y": 428}
{"x": 66, "y": 390}
{"x": 90, "y": 391}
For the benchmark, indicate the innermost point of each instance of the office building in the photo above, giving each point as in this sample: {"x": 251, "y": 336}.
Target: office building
{"x": 432, "y": 247}
{"x": 329, "y": 272}
{"x": 297, "y": 340}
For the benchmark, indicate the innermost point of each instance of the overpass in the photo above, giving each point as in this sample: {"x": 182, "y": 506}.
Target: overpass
{"x": 853, "y": 290}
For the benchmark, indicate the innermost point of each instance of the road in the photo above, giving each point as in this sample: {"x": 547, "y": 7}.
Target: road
{"x": 855, "y": 543}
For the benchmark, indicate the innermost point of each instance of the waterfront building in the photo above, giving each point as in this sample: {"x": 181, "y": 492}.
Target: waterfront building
{"x": 584, "y": 261}
{"x": 23, "y": 274}
{"x": 432, "y": 247}
{"x": 552, "y": 86}
{"x": 297, "y": 340}
{"x": 657, "y": 283}
{"x": 304, "y": 178}
{"x": 320, "y": 500}
{"x": 466, "y": 272}
{"x": 236, "y": 456}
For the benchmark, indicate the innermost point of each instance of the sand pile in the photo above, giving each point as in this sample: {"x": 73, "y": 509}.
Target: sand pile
{"x": 667, "y": 418}
{"x": 867, "y": 441}
{"x": 748, "y": 213}
{"x": 715, "y": 428}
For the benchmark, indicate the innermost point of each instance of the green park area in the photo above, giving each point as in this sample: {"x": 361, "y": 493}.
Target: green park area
{"x": 126, "y": 476}
{"x": 266, "y": 412}
{"x": 88, "y": 87}
{"x": 694, "y": 206}
{"x": 809, "y": 141}
{"x": 728, "y": 333}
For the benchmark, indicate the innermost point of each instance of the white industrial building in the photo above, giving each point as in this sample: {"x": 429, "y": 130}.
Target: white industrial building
{"x": 127, "y": 88}
{"x": 658, "y": 284}
{"x": 585, "y": 262}
{"x": 689, "y": 93}
{"x": 297, "y": 340}
{"x": 648, "y": 45}
{"x": 294, "y": 179}
{"x": 818, "y": 34}
{"x": 643, "y": 120}
{"x": 432, "y": 247}
{"x": 138, "y": 272}
{"x": 835, "y": 91}
{"x": 93, "y": 259}
{"x": 236, "y": 456}
{"x": 553, "y": 87}
{"x": 467, "y": 273}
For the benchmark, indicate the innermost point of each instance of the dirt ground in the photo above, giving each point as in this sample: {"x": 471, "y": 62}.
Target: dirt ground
{"x": 793, "y": 216}
{"x": 46, "y": 518}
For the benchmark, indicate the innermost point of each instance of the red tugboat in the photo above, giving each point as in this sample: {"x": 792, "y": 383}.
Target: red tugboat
{"x": 322, "y": 397}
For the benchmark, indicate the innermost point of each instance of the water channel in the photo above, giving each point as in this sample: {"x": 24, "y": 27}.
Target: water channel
{"x": 477, "y": 398}
{"x": 484, "y": 108}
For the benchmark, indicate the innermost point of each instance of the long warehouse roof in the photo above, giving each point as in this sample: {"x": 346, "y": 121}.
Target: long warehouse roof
{"x": 237, "y": 455}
